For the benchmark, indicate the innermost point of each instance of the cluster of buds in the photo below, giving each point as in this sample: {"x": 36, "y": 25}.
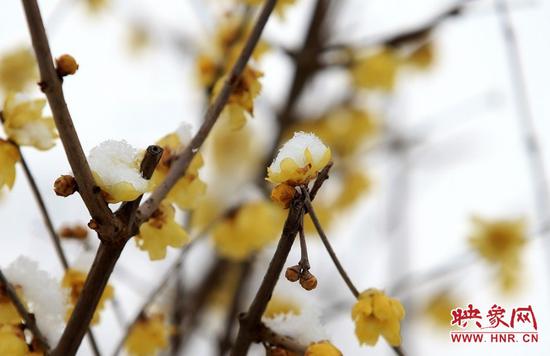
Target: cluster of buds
{"x": 297, "y": 273}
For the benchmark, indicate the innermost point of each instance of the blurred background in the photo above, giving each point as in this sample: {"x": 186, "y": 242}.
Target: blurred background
{"x": 450, "y": 140}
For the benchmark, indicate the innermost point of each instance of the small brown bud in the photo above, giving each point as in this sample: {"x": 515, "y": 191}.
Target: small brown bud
{"x": 283, "y": 194}
{"x": 66, "y": 65}
{"x": 293, "y": 273}
{"x": 78, "y": 232}
{"x": 65, "y": 186}
{"x": 308, "y": 281}
{"x": 93, "y": 225}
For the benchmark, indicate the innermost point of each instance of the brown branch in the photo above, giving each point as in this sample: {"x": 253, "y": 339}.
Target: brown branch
{"x": 182, "y": 161}
{"x": 30, "y": 322}
{"x": 51, "y": 85}
{"x": 249, "y": 322}
{"x": 236, "y": 304}
{"x": 266, "y": 335}
{"x": 328, "y": 246}
{"x": 98, "y": 276}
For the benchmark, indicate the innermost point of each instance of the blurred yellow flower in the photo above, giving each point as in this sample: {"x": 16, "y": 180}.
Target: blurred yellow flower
{"x": 9, "y": 156}
{"x": 375, "y": 71}
{"x": 96, "y": 6}
{"x": 377, "y": 314}
{"x": 325, "y": 214}
{"x": 189, "y": 188}
{"x": 12, "y": 341}
{"x": 250, "y": 228}
{"x": 299, "y": 160}
{"x": 241, "y": 101}
{"x": 8, "y": 312}
{"x": 354, "y": 184}
{"x": 438, "y": 309}
{"x": 322, "y": 348}
{"x": 25, "y": 124}
{"x": 500, "y": 243}
{"x": 74, "y": 280}
{"x": 161, "y": 231}
{"x": 280, "y": 306}
{"x": 18, "y": 69}
{"x": 148, "y": 336}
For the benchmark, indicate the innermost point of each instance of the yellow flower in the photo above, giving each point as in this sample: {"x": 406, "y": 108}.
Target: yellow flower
{"x": 283, "y": 194}
{"x": 280, "y": 8}
{"x": 161, "y": 231}
{"x": 299, "y": 160}
{"x": 74, "y": 280}
{"x": 96, "y": 6}
{"x": 115, "y": 167}
{"x": 242, "y": 97}
{"x": 24, "y": 123}
{"x": 189, "y": 188}
{"x": 148, "y": 336}
{"x": 8, "y": 312}
{"x": 375, "y": 71}
{"x": 18, "y": 69}
{"x": 354, "y": 184}
{"x": 500, "y": 243}
{"x": 280, "y": 306}
{"x": 377, "y": 314}
{"x": 251, "y": 227}
{"x": 438, "y": 309}
{"x": 325, "y": 214}
{"x": 12, "y": 341}
{"x": 322, "y": 348}
{"x": 9, "y": 156}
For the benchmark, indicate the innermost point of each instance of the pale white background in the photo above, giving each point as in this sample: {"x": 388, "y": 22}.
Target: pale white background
{"x": 472, "y": 162}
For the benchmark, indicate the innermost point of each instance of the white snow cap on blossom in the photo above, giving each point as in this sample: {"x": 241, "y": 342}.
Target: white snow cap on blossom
{"x": 184, "y": 133}
{"x": 115, "y": 162}
{"x": 43, "y": 294}
{"x": 305, "y": 326}
{"x": 295, "y": 148}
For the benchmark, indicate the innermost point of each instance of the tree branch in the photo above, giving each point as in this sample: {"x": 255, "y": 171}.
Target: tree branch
{"x": 182, "y": 161}
{"x": 27, "y": 317}
{"x": 269, "y": 336}
{"x": 51, "y": 85}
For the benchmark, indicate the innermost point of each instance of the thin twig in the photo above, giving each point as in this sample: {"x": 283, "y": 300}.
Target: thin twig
{"x": 304, "y": 258}
{"x": 51, "y": 85}
{"x": 266, "y": 335}
{"x": 182, "y": 161}
{"x": 30, "y": 322}
{"x": 328, "y": 246}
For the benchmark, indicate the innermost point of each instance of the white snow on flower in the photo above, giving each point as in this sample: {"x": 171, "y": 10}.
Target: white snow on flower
{"x": 35, "y": 133}
{"x": 184, "y": 133}
{"x": 43, "y": 294}
{"x": 116, "y": 162}
{"x": 295, "y": 148}
{"x": 305, "y": 326}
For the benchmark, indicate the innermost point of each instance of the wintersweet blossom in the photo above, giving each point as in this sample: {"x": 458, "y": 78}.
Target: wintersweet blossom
{"x": 501, "y": 243}
{"x": 148, "y": 336}
{"x": 161, "y": 231}
{"x": 305, "y": 326}
{"x": 354, "y": 184}
{"x": 375, "y": 71}
{"x": 189, "y": 188}
{"x": 18, "y": 70}
{"x": 12, "y": 341}
{"x": 377, "y": 314}
{"x": 241, "y": 100}
{"x": 73, "y": 282}
{"x": 322, "y": 348}
{"x": 42, "y": 294}
{"x": 281, "y": 306}
{"x": 299, "y": 160}
{"x": 8, "y": 312}
{"x": 25, "y": 124}
{"x": 115, "y": 167}
{"x": 250, "y": 228}
{"x": 438, "y": 308}
{"x": 9, "y": 156}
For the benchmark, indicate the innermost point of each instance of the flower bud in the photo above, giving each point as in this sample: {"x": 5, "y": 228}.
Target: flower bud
{"x": 78, "y": 232}
{"x": 66, "y": 65}
{"x": 293, "y": 273}
{"x": 65, "y": 186}
{"x": 308, "y": 281}
{"x": 283, "y": 194}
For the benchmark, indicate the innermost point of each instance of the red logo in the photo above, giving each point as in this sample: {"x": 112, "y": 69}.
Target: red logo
{"x": 496, "y": 325}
